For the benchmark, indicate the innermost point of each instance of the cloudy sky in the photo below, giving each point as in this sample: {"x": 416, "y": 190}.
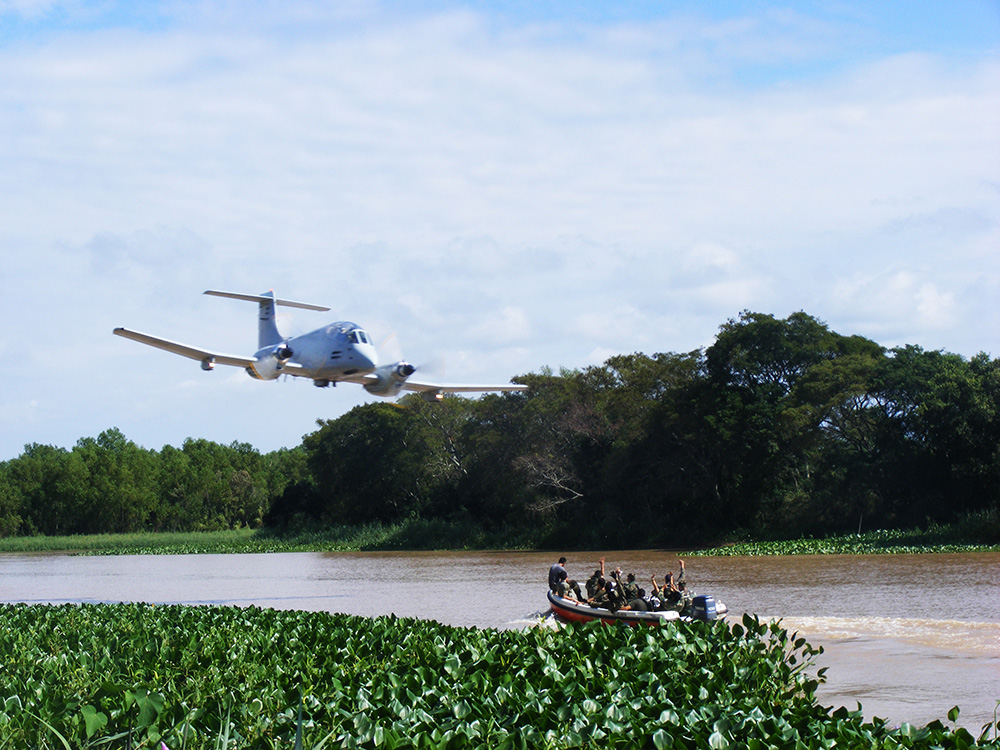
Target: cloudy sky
{"x": 501, "y": 185}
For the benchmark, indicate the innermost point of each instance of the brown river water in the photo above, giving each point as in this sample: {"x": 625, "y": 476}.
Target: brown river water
{"x": 906, "y": 636}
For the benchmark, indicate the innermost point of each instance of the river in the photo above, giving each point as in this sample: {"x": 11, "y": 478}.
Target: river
{"x": 906, "y": 636}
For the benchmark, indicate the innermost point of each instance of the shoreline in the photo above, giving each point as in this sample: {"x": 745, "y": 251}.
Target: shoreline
{"x": 379, "y": 538}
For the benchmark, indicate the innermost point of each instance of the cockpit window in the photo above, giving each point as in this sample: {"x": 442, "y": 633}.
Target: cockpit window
{"x": 357, "y": 336}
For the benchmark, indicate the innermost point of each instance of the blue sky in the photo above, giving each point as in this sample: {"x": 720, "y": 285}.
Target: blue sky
{"x": 503, "y": 186}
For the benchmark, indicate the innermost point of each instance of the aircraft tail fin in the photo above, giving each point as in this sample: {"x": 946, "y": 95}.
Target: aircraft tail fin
{"x": 267, "y": 329}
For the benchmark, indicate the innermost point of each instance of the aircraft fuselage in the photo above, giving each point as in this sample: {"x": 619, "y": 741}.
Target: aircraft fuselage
{"x": 334, "y": 352}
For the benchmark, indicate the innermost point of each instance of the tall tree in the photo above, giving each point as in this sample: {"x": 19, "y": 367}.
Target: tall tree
{"x": 10, "y": 503}
{"x": 120, "y": 493}
{"x": 369, "y": 464}
{"x": 754, "y": 367}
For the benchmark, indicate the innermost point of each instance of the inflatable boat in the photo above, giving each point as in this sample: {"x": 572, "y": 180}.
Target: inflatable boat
{"x": 702, "y": 608}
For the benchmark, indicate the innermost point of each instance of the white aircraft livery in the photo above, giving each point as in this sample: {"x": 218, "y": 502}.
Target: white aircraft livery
{"x": 340, "y": 352}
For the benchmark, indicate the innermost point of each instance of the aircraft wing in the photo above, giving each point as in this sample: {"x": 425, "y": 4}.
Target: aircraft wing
{"x": 207, "y": 358}
{"x": 430, "y": 391}
{"x": 411, "y": 385}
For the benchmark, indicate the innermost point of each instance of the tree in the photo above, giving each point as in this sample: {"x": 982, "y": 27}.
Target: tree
{"x": 937, "y": 420}
{"x": 50, "y": 481}
{"x": 767, "y": 356}
{"x": 10, "y": 503}
{"x": 562, "y": 437}
{"x": 369, "y": 465}
{"x": 491, "y": 489}
{"x": 768, "y": 425}
{"x": 120, "y": 492}
{"x": 655, "y": 463}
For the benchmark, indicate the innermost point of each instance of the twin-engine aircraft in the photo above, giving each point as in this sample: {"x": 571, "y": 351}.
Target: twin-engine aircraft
{"x": 341, "y": 352}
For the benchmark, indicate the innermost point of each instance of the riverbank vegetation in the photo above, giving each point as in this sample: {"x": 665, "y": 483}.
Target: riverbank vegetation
{"x": 136, "y": 675}
{"x": 411, "y": 534}
{"x": 781, "y": 429}
{"x": 417, "y": 534}
{"x": 897, "y": 541}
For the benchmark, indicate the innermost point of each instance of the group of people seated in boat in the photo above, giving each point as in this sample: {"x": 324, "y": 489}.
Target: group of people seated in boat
{"x": 617, "y": 592}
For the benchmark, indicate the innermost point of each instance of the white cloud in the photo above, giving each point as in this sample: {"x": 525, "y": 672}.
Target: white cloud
{"x": 510, "y": 325}
{"x": 884, "y": 306}
{"x": 507, "y": 196}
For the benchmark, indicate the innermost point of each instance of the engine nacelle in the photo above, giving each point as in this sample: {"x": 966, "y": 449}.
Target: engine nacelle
{"x": 269, "y": 362}
{"x": 390, "y": 379}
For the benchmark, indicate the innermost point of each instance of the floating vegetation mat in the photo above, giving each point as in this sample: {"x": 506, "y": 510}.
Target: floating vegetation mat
{"x": 893, "y": 541}
{"x": 137, "y": 675}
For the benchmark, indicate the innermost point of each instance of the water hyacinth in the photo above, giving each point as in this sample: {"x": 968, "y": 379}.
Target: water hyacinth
{"x": 885, "y": 541}
{"x": 133, "y": 675}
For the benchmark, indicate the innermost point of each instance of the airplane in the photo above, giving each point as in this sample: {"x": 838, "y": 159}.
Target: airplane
{"x": 340, "y": 352}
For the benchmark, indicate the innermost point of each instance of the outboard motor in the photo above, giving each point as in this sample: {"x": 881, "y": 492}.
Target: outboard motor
{"x": 703, "y": 608}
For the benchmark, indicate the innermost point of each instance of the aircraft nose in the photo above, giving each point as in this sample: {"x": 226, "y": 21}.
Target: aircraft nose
{"x": 366, "y": 357}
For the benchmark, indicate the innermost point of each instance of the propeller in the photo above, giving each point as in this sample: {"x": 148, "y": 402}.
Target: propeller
{"x": 390, "y": 351}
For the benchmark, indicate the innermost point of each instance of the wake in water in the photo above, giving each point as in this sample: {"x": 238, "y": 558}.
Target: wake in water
{"x": 543, "y": 619}
{"x": 973, "y": 638}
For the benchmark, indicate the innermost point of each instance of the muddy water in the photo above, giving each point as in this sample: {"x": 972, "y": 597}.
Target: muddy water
{"x": 906, "y": 636}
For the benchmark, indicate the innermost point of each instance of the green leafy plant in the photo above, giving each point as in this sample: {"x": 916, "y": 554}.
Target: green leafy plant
{"x": 886, "y": 541}
{"x": 134, "y": 675}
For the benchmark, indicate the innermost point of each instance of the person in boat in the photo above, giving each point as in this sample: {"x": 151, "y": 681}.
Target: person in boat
{"x": 669, "y": 597}
{"x": 595, "y": 590}
{"x": 632, "y": 590}
{"x": 652, "y": 599}
{"x": 616, "y": 576}
{"x": 674, "y": 599}
{"x": 560, "y": 583}
{"x": 635, "y": 595}
{"x": 557, "y": 574}
{"x": 603, "y": 594}
{"x": 687, "y": 598}
{"x": 596, "y": 581}
{"x": 593, "y": 584}
{"x": 614, "y": 579}
{"x": 668, "y": 585}
{"x": 611, "y": 595}
{"x": 616, "y": 598}
{"x": 570, "y": 590}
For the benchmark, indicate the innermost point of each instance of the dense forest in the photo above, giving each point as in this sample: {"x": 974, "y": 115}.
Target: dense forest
{"x": 781, "y": 427}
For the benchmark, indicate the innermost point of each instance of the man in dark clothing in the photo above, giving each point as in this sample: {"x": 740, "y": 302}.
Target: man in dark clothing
{"x": 557, "y": 574}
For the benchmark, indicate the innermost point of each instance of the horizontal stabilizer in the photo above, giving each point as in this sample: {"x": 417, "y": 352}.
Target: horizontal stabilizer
{"x": 263, "y": 298}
